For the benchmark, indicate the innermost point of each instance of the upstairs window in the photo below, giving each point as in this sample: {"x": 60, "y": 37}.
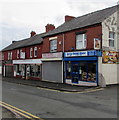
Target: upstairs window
{"x": 17, "y": 53}
{"x": 111, "y": 39}
{"x": 2, "y": 56}
{"x": 9, "y": 55}
{"x": 31, "y": 52}
{"x": 81, "y": 41}
{"x": 35, "y": 52}
{"x": 53, "y": 45}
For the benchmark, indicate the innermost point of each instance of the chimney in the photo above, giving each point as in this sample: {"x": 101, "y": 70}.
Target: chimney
{"x": 68, "y": 18}
{"x": 33, "y": 33}
{"x": 13, "y": 41}
{"x": 49, "y": 27}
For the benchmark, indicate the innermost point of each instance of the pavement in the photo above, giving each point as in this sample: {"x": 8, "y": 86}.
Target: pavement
{"x": 49, "y": 85}
{"x": 7, "y": 113}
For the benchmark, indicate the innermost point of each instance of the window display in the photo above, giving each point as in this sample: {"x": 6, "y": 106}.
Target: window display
{"x": 81, "y": 71}
{"x": 35, "y": 71}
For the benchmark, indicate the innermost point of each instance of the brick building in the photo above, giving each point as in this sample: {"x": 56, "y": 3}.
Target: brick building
{"x": 23, "y": 58}
{"x": 83, "y": 50}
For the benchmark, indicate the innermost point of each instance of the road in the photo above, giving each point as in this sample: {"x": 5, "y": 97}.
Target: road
{"x": 54, "y": 104}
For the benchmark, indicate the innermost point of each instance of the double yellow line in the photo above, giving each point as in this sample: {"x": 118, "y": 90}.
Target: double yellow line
{"x": 19, "y": 111}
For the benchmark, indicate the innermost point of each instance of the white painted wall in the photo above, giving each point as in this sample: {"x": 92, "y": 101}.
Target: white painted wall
{"x": 108, "y": 72}
{"x": 109, "y": 24}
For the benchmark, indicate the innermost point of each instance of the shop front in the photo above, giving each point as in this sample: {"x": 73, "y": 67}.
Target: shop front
{"x": 7, "y": 68}
{"x": 81, "y": 67}
{"x": 52, "y": 67}
{"x": 28, "y": 69}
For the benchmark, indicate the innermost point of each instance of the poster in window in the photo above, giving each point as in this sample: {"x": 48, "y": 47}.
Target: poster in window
{"x": 110, "y": 57}
{"x": 96, "y": 43}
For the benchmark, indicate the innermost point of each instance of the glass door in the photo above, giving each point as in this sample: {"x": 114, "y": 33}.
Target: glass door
{"x": 75, "y": 72}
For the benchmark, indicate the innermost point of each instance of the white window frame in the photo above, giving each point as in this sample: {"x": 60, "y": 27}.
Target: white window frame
{"x": 53, "y": 45}
{"x": 31, "y": 52}
{"x": 35, "y": 51}
{"x": 2, "y": 56}
{"x": 112, "y": 39}
{"x": 17, "y": 53}
{"x": 84, "y": 41}
{"x": 9, "y": 55}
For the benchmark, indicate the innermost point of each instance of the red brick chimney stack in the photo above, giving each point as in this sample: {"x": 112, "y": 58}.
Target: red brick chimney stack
{"x": 68, "y": 18}
{"x": 49, "y": 27}
{"x": 33, "y": 33}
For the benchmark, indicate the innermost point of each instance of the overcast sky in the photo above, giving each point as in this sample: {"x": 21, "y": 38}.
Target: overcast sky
{"x": 19, "y": 17}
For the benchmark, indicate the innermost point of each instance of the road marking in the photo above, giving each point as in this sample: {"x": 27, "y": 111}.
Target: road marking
{"x": 15, "y": 111}
{"x": 92, "y": 90}
{"x": 28, "y": 115}
{"x": 48, "y": 89}
{"x": 85, "y": 91}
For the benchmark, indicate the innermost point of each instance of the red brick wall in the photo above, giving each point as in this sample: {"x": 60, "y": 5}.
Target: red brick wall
{"x": 39, "y": 52}
{"x": 5, "y": 55}
{"x": 27, "y": 50}
{"x": 70, "y": 39}
{"x": 14, "y": 54}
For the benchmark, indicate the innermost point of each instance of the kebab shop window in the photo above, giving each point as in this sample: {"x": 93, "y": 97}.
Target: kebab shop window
{"x": 87, "y": 71}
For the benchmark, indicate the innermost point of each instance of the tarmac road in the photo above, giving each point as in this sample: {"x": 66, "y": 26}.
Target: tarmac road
{"x": 54, "y": 104}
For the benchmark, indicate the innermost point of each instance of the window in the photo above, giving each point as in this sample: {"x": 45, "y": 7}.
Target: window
{"x": 35, "y": 52}
{"x": 31, "y": 52}
{"x": 17, "y": 53}
{"x": 111, "y": 39}
{"x": 80, "y": 41}
{"x": 53, "y": 45}
{"x": 9, "y": 55}
{"x": 35, "y": 71}
{"x": 2, "y": 56}
{"x": 20, "y": 53}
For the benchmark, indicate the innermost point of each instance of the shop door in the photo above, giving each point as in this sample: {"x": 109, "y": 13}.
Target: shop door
{"x": 75, "y": 72}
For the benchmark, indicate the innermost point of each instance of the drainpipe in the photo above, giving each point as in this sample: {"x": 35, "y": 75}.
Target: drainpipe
{"x": 62, "y": 60}
{"x": 63, "y": 42}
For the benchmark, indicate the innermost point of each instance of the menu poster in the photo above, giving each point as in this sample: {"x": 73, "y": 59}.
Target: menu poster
{"x": 117, "y": 57}
{"x": 109, "y": 57}
{"x": 97, "y": 43}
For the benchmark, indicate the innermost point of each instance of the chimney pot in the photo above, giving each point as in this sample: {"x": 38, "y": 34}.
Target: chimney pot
{"x": 33, "y": 33}
{"x": 68, "y": 18}
{"x": 13, "y": 41}
{"x": 49, "y": 27}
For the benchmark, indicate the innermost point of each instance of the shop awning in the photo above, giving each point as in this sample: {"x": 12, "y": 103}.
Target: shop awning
{"x": 81, "y": 59}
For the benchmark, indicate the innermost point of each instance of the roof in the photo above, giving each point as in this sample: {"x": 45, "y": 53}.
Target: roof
{"x": 83, "y": 21}
{"x": 36, "y": 39}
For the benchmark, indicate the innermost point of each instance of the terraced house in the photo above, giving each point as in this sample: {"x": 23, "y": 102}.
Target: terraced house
{"x": 83, "y": 50}
{"x": 23, "y": 58}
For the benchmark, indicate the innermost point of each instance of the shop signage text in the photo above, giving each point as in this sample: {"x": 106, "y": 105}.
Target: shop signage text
{"x": 83, "y": 53}
{"x": 29, "y": 61}
{"x": 110, "y": 57}
{"x": 52, "y": 55}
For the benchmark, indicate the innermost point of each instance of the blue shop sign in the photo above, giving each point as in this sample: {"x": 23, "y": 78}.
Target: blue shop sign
{"x": 83, "y": 53}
